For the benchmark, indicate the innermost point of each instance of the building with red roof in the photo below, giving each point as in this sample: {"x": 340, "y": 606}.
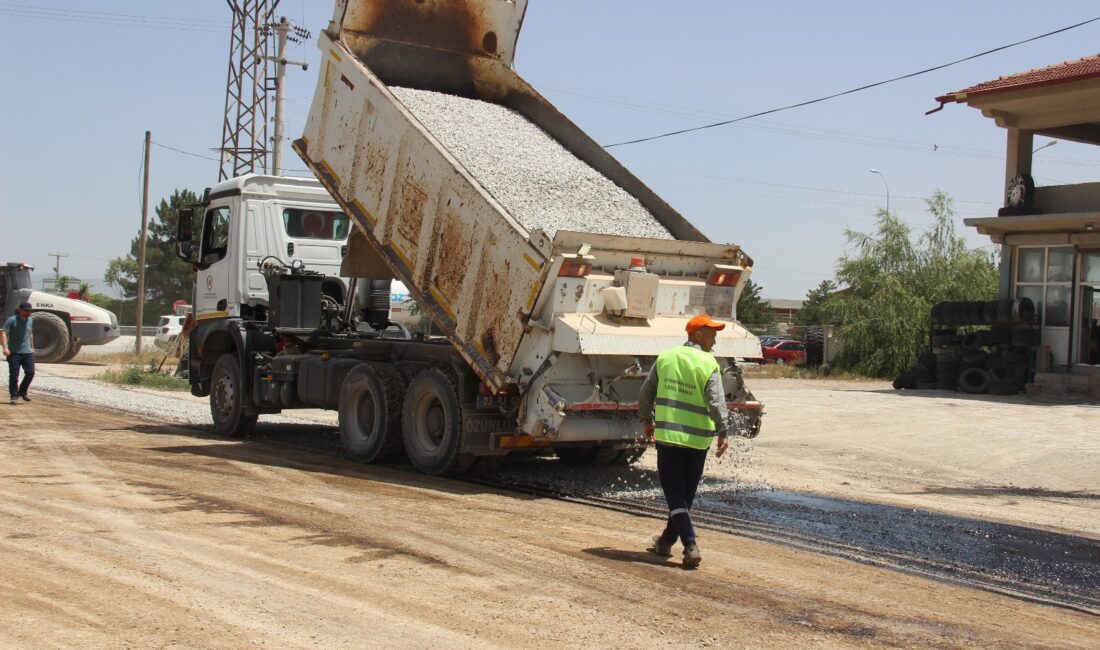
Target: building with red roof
{"x": 1050, "y": 235}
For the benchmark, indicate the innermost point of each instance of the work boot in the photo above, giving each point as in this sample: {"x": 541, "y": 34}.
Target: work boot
{"x": 25, "y": 398}
{"x": 692, "y": 556}
{"x": 664, "y": 549}
{"x": 14, "y": 401}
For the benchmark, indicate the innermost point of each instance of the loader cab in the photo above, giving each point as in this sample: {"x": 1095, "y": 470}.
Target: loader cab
{"x": 14, "y": 277}
{"x": 254, "y": 219}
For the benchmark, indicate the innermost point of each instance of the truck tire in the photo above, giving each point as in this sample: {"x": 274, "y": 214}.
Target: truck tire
{"x": 74, "y": 349}
{"x": 51, "y": 337}
{"x": 371, "y": 397}
{"x": 973, "y": 381}
{"x": 431, "y": 425}
{"x": 227, "y": 399}
{"x": 815, "y": 346}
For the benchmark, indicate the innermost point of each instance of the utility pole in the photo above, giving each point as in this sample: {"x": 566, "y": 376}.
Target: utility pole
{"x": 244, "y": 128}
{"x": 285, "y": 32}
{"x": 57, "y": 264}
{"x": 139, "y": 307}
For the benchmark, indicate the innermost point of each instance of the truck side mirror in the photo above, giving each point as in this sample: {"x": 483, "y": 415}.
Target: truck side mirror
{"x": 184, "y": 235}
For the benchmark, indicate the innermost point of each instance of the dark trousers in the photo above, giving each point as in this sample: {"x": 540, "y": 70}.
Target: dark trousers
{"x": 680, "y": 470}
{"x": 17, "y": 360}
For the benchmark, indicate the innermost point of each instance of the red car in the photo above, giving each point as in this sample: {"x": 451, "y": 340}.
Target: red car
{"x": 785, "y": 351}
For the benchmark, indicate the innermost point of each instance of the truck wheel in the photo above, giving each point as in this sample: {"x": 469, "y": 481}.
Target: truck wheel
{"x": 370, "y": 413}
{"x": 815, "y": 346}
{"x": 431, "y": 425}
{"x": 227, "y": 399}
{"x": 51, "y": 337}
{"x": 73, "y": 350}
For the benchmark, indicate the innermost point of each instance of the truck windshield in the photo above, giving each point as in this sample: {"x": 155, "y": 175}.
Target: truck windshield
{"x": 315, "y": 224}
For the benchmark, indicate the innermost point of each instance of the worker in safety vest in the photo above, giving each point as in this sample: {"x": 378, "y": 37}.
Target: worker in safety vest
{"x": 683, "y": 407}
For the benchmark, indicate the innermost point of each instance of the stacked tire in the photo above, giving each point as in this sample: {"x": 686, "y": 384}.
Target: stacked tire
{"x": 920, "y": 375}
{"x": 1011, "y": 311}
{"x": 815, "y": 346}
{"x": 994, "y": 359}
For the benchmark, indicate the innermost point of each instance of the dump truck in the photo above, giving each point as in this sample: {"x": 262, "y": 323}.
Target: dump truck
{"x": 62, "y": 326}
{"x": 551, "y": 275}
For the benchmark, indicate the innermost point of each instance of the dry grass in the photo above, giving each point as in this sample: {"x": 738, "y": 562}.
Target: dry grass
{"x": 150, "y": 355}
{"x": 789, "y": 371}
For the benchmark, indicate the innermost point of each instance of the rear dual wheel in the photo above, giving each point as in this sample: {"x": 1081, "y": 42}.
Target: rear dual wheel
{"x": 431, "y": 425}
{"x": 370, "y": 404}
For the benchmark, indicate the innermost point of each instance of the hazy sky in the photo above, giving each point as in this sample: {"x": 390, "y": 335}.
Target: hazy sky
{"x": 83, "y": 81}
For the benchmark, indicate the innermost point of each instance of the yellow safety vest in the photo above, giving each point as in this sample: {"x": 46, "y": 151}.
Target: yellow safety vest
{"x": 681, "y": 413}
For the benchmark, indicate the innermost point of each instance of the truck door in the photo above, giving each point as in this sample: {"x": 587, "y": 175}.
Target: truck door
{"x": 216, "y": 259}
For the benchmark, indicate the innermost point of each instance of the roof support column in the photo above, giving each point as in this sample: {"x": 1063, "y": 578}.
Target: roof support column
{"x": 1018, "y": 156}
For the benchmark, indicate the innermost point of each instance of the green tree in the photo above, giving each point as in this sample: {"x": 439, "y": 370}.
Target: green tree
{"x": 753, "y": 309}
{"x": 893, "y": 282}
{"x": 167, "y": 277}
{"x": 62, "y": 284}
{"x": 813, "y": 308}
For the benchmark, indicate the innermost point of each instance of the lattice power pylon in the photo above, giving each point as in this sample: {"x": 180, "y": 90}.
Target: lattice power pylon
{"x": 244, "y": 133}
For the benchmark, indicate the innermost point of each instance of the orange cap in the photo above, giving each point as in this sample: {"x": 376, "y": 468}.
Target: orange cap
{"x": 702, "y": 320}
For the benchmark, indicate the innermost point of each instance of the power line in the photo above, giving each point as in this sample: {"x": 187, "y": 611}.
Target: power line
{"x": 853, "y": 90}
{"x": 186, "y": 153}
{"x": 104, "y": 18}
{"x": 198, "y": 155}
{"x": 788, "y": 186}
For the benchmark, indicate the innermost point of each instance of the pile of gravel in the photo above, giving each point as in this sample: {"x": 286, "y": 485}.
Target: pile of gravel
{"x": 539, "y": 182}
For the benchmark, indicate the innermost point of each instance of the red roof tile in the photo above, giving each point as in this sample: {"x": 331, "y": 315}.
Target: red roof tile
{"x": 1055, "y": 74}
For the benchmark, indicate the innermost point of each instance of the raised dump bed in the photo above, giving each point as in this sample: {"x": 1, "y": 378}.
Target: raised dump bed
{"x": 553, "y": 270}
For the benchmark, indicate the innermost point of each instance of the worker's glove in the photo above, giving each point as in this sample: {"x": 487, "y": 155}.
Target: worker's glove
{"x": 649, "y": 428}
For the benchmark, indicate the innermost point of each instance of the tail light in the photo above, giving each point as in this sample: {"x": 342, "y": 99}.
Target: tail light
{"x": 164, "y": 330}
{"x": 571, "y": 269}
{"x": 724, "y": 275}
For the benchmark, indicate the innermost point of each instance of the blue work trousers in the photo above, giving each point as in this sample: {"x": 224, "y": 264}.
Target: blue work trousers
{"x": 680, "y": 470}
{"x": 17, "y": 360}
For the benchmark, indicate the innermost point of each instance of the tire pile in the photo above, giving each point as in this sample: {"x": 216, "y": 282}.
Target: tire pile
{"x": 815, "y": 346}
{"x": 977, "y": 347}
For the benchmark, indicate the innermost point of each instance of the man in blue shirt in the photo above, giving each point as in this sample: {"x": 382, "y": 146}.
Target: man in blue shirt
{"x": 16, "y": 339}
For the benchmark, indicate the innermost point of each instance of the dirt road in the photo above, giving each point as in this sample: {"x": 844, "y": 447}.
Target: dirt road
{"x": 118, "y": 532}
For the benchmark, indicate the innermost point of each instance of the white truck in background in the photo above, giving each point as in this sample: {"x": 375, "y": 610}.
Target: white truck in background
{"x": 545, "y": 338}
{"x": 62, "y": 326}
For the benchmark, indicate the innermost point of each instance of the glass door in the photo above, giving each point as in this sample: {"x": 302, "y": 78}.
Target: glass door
{"x": 1088, "y": 333}
{"x": 1045, "y": 275}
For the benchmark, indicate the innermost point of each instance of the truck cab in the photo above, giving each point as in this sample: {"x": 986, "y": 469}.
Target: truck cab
{"x": 255, "y": 219}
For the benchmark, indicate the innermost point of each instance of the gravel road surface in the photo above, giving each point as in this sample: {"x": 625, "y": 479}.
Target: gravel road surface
{"x": 127, "y": 532}
{"x": 125, "y": 529}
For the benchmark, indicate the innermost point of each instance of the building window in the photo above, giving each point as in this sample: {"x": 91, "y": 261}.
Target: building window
{"x": 1043, "y": 274}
